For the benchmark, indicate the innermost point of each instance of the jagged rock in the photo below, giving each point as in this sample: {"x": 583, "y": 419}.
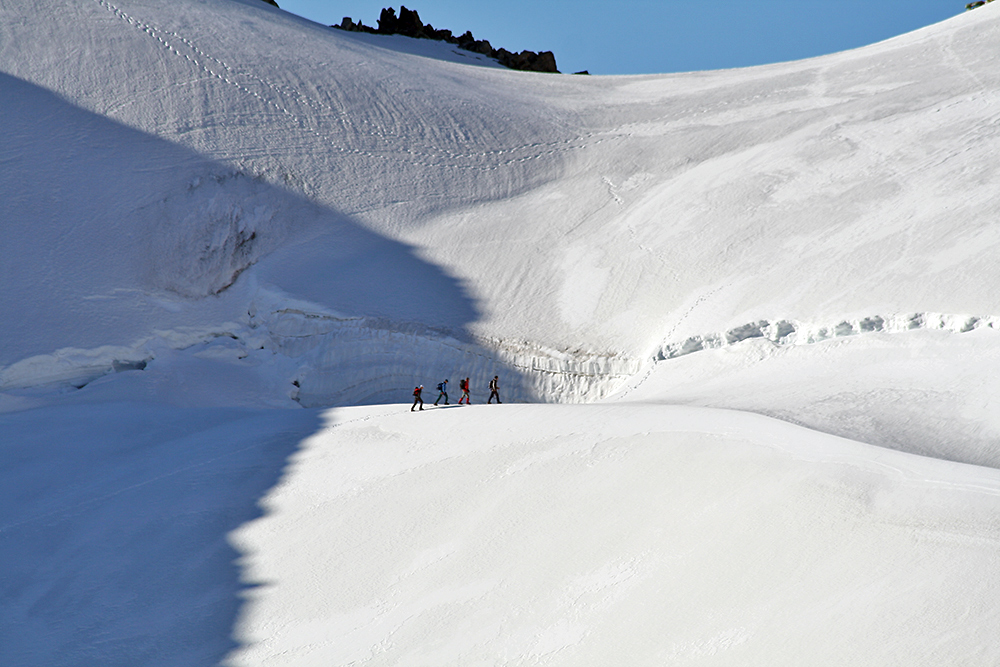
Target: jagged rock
{"x": 350, "y": 26}
{"x": 272, "y": 2}
{"x": 546, "y": 62}
{"x": 440, "y": 35}
{"x": 480, "y": 46}
{"x": 527, "y": 60}
{"x": 408, "y": 23}
{"x": 387, "y": 22}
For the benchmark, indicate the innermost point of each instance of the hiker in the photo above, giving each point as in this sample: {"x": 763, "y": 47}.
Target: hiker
{"x": 495, "y": 389}
{"x": 416, "y": 397}
{"x": 464, "y": 385}
{"x": 443, "y": 389}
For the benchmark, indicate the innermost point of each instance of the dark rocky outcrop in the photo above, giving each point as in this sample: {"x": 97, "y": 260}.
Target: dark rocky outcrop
{"x": 272, "y": 2}
{"x": 527, "y": 60}
{"x": 350, "y": 26}
{"x": 408, "y": 23}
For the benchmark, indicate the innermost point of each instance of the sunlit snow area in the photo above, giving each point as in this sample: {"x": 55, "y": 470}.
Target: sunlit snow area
{"x": 746, "y": 325}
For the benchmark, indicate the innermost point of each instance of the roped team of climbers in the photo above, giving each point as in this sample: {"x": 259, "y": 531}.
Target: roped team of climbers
{"x": 442, "y": 388}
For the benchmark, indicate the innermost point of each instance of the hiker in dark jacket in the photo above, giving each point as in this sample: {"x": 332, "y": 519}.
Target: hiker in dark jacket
{"x": 416, "y": 397}
{"x": 443, "y": 388}
{"x": 464, "y": 384}
{"x": 495, "y": 390}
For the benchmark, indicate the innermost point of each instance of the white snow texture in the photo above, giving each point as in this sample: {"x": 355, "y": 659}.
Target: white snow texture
{"x": 746, "y": 325}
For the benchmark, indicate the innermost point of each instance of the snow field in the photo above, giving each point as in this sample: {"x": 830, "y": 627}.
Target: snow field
{"x": 928, "y": 392}
{"x": 369, "y": 183}
{"x": 212, "y": 208}
{"x": 595, "y": 535}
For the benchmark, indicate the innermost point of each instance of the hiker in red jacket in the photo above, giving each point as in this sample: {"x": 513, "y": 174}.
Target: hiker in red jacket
{"x": 416, "y": 397}
{"x": 464, "y": 385}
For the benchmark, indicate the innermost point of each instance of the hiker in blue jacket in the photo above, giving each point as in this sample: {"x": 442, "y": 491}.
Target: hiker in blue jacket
{"x": 443, "y": 388}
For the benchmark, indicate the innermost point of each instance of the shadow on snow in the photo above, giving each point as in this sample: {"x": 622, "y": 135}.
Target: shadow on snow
{"x": 114, "y": 517}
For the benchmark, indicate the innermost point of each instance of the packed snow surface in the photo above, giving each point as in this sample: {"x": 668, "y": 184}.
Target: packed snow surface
{"x": 765, "y": 300}
{"x": 616, "y": 534}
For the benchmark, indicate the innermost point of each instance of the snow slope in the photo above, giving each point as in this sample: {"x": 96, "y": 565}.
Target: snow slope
{"x": 616, "y": 535}
{"x": 216, "y": 214}
{"x": 646, "y": 209}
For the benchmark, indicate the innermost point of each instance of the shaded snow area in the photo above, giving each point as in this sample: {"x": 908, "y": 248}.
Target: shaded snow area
{"x": 745, "y": 323}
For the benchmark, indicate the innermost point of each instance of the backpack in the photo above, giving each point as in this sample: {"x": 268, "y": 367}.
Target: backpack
{"x": 416, "y": 391}
{"x": 440, "y": 386}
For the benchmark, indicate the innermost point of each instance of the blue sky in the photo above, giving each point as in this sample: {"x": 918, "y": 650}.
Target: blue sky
{"x": 649, "y": 36}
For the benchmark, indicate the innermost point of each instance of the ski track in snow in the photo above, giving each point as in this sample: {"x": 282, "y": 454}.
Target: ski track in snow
{"x": 228, "y": 75}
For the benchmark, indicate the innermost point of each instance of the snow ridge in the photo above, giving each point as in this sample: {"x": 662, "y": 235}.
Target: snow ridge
{"x": 791, "y": 332}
